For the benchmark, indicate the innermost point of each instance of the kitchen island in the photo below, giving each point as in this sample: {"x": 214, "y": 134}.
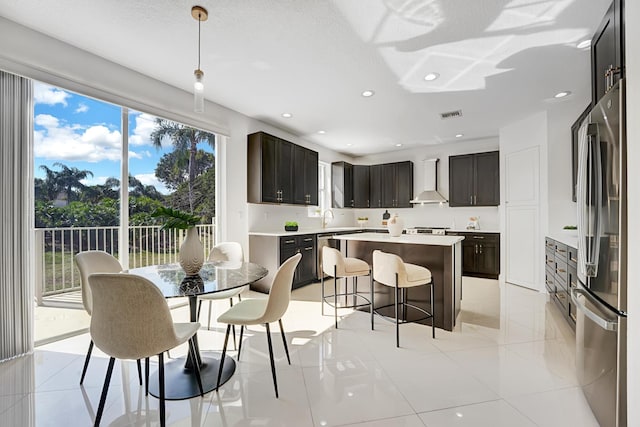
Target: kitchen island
{"x": 442, "y": 255}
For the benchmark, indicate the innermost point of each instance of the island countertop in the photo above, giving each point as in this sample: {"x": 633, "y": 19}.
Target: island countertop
{"x": 412, "y": 239}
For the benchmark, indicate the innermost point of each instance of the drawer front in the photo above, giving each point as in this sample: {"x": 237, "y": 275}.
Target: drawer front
{"x": 562, "y": 274}
{"x": 483, "y": 237}
{"x": 288, "y": 242}
{"x": 306, "y": 240}
{"x": 550, "y": 260}
{"x": 561, "y": 251}
{"x": 572, "y": 256}
{"x": 549, "y": 282}
{"x": 562, "y": 297}
{"x": 550, "y": 244}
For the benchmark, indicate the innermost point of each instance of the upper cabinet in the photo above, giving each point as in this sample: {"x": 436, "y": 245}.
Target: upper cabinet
{"x": 474, "y": 179}
{"x": 361, "y": 186}
{"x": 342, "y": 185}
{"x": 607, "y": 51}
{"x": 280, "y": 172}
{"x": 389, "y": 185}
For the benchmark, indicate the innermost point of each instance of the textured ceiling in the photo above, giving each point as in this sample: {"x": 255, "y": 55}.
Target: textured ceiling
{"x": 498, "y": 60}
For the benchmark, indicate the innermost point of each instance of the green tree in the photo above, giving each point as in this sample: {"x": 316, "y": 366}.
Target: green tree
{"x": 67, "y": 180}
{"x": 184, "y": 139}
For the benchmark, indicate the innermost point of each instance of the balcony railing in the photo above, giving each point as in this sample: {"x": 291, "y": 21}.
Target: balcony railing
{"x": 56, "y": 272}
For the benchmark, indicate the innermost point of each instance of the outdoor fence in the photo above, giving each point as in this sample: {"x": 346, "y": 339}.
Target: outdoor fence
{"x": 56, "y": 271}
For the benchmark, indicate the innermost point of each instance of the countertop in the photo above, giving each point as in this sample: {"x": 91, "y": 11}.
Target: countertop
{"x": 328, "y": 230}
{"x": 412, "y": 239}
{"x": 279, "y": 233}
{"x": 570, "y": 239}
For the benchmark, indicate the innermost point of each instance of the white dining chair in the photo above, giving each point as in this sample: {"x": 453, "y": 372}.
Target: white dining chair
{"x": 390, "y": 270}
{"x": 131, "y": 320}
{"x": 262, "y": 312}
{"x": 89, "y": 262}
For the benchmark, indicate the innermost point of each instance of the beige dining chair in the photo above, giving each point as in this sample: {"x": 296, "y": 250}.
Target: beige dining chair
{"x": 390, "y": 270}
{"x": 131, "y": 320}
{"x": 340, "y": 267}
{"x": 224, "y": 251}
{"x": 262, "y": 312}
{"x": 90, "y": 262}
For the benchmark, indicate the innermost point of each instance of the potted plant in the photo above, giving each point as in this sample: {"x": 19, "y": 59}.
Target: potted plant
{"x": 571, "y": 230}
{"x": 363, "y": 220}
{"x": 191, "y": 254}
{"x": 290, "y": 226}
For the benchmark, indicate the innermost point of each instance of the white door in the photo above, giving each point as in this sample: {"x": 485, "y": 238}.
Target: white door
{"x": 522, "y": 185}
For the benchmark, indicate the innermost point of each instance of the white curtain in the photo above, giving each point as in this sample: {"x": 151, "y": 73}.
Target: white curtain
{"x": 16, "y": 216}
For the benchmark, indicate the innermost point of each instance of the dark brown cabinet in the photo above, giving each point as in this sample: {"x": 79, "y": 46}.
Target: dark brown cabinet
{"x": 306, "y": 245}
{"x": 607, "y": 51}
{"x": 375, "y": 186}
{"x": 480, "y": 254}
{"x": 397, "y": 185}
{"x": 305, "y": 176}
{"x": 388, "y": 185}
{"x": 561, "y": 276}
{"x": 279, "y": 171}
{"x": 474, "y": 179}
{"x": 361, "y": 186}
{"x": 342, "y": 185}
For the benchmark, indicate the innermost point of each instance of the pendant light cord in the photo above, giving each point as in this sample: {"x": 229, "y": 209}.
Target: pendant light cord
{"x": 199, "y": 21}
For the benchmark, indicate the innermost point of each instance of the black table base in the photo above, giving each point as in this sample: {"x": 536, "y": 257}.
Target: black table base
{"x": 181, "y": 384}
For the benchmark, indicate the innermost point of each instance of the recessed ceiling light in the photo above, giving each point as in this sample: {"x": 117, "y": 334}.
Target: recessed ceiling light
{"x": 287, "y": 115}
{"x": 321, "y": 132}
{"x": 562, "y": 94}
{"x": 459, "y": 135}
{"x": 584, "y": 44}
{"x": 367, "y": 93}
{"x": 349, "y": 145}
{"x": 431, "y": 76}
{"x": 398, "y": 145}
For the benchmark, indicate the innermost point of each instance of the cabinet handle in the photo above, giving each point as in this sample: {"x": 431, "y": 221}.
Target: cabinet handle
{"x": 289, "y": 241}
{"x": 470, "y": 200}
{"x": 309, "y": 239}
{"x": 476, "y": 249}
{"x": 310, "y": 248}
{"x": 562, "y": 271}
{"x": 478, "y": 237}
{"x": 480, "y": 248}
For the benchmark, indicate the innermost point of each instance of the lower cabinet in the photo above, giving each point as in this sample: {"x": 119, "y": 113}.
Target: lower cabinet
{"x": 561, "y": 276}
{"x": 480, "y": 254}
{"x": 272, "y": 251}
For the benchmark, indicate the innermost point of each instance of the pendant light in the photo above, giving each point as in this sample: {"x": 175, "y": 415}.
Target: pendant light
{"x": 200, "y": 14}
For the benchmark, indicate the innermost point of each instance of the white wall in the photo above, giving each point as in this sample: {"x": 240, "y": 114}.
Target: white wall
{"x": 433, "y": 214}
{"x": 632, "y": 38}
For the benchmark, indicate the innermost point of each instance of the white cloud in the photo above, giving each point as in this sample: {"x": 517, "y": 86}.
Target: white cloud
{"x": 96, "y": 180}
{"x": 46, "y": 120}
{"x": 134, "y": 155}
{"x": 82, "y": 108}
{"x": 144, "y": 126}
{"x": 45, "y": 94}
{"x": 150, "y": 179}
{"x": 71, "y": 142}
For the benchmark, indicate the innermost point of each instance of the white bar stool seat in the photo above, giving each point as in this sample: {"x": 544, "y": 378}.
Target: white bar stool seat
{"x": 390, "y": 270}
{"x": 334, "y": 264}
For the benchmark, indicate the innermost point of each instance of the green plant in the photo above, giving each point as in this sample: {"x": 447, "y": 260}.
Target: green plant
{"x": 175, "y": 219}
{"x": 291, "y": 224}
{"x": 363, "y": 218}
{"x": 570, "y": 227}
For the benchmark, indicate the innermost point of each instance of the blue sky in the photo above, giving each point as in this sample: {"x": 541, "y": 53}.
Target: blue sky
{"x": 85, "y": 133}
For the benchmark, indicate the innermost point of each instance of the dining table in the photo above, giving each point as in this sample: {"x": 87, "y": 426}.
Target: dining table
{"x": 173, "y": 282}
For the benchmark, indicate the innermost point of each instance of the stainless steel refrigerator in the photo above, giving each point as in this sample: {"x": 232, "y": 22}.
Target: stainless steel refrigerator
{"x": 601, "y": 294}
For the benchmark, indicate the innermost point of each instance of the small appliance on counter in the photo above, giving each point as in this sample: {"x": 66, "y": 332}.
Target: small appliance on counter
{"x": 440, "y": 231}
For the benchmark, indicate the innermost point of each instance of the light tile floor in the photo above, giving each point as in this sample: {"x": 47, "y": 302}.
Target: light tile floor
{"x": 510, "y": 362}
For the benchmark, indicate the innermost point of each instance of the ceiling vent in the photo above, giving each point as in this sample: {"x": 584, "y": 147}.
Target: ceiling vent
{"x": 451, "y": 114}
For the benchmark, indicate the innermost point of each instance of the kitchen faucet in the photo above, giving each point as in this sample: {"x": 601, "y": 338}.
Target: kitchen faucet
{"x": 324, "y": 217}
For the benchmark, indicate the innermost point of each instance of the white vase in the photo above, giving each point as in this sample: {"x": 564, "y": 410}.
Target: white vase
{"x": 191, "y": 253}
{"x": 395, "y": 226}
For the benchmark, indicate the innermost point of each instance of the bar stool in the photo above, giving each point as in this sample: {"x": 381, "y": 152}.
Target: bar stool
{"x": 339, "y": 267}
{"x": 390, "y": 270}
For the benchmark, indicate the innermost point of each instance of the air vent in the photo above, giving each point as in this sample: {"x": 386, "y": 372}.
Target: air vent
{"x": 451, "y": 114}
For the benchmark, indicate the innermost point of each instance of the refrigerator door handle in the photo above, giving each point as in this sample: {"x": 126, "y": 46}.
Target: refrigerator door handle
{"x": 578, "y": 296}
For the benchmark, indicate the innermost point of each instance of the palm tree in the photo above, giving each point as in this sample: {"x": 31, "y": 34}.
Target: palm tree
{"x": 185, "y": 139}
{"x": 69, "y": 179}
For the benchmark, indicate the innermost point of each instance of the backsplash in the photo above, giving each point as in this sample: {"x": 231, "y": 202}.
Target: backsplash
{"x": 263, "y": 217}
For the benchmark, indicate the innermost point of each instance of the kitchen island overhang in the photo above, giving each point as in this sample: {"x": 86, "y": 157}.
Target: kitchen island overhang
{"x": 442, "y": 255}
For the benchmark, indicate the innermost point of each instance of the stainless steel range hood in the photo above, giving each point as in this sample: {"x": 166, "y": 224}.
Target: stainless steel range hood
{"x": 430, "y": 193}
